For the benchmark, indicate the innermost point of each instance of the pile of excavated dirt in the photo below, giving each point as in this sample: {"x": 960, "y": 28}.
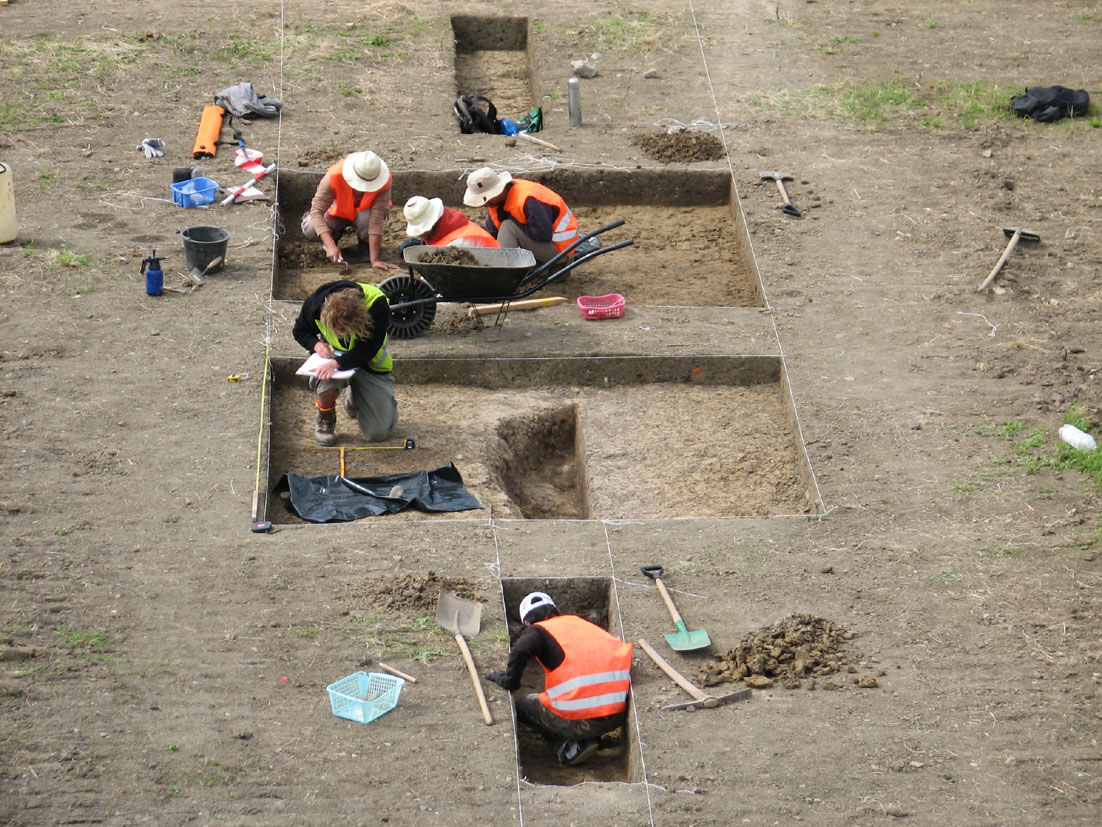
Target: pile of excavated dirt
{"x": 449, "y": 255}
{"x": 680, "y": 146}
{"x": 794, "y": 650}
{"x": 411, "y": 592}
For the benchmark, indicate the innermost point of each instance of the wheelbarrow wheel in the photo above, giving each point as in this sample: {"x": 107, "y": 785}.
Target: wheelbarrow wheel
{"x": 408, "y": 322}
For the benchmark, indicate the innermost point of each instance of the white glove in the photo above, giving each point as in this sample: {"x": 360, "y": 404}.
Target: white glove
{"x": 152, "y": 147}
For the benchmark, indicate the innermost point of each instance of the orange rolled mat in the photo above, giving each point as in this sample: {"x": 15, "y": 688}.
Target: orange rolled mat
{"x": 210, "y": 130}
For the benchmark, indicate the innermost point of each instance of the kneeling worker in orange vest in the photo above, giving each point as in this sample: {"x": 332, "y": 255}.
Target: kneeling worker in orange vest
{"x": 587, "y": 680}
{"x": 438, "y": 226}
{"x": 522, "y": 213}
{"x": 354, "y": 193}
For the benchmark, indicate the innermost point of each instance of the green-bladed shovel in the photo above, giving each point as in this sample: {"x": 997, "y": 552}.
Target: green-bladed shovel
{"x": 682, "y": 640}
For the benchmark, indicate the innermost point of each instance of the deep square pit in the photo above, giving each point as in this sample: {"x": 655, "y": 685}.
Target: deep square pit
{"x": 492, "y": 59}
{"x": 589, "y": 598}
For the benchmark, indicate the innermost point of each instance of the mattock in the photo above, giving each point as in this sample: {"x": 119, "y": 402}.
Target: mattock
{"x": 780, "y": 177}
{"x": 1015, "y": 234}
{"x": 701, "y": 699}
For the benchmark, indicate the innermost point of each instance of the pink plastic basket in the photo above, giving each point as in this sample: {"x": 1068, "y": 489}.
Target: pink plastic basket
{"x": 601, "y": 307}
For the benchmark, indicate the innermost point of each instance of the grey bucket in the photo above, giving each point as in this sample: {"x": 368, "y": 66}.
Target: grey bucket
{"x": 202, "y": 245}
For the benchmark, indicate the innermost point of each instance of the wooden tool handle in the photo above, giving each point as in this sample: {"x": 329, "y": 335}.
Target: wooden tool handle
{"x": 523, "y": 304}
{"x": 676, "y": 615}
{"x": 486, "y": 716}
{"x": 539, "y": 141}
{"x": 783, "y": 191}
{"x": 397, "y": 672}
{"x": 998, "y": 266}
{"x": 698, "y": 694}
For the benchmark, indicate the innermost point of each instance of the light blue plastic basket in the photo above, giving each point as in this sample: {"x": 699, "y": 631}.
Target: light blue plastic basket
{"x": 194, "y": 192}
{"x": 364, "y": 697}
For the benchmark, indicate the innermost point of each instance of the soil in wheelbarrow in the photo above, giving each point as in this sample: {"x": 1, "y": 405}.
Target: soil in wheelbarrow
{"x": 686, "y": 256}
{"x": 450, "y": 255}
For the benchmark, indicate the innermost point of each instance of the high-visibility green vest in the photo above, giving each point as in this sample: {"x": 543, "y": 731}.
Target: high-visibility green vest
{"x": 381, "y": 362}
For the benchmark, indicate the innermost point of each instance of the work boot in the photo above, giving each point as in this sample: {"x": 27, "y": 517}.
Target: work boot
{"x": 573, "y": 753}
{"x": 324, "y": 427}
{"x": 590, "y": 245}
{"x": 348, "y": 404}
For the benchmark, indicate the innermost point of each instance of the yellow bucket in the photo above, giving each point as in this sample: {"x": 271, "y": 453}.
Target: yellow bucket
{"x": 7, "y": 205}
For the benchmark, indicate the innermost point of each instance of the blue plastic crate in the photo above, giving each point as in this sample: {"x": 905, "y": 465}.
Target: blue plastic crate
{"x": 194, "y": 192}
{"x": 364, "y": 697}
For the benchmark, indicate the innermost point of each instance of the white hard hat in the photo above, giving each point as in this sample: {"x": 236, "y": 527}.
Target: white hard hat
{"x": 484, "y": 184}
{"x": 422, "y": 214}
{"x": 534, "y": 601}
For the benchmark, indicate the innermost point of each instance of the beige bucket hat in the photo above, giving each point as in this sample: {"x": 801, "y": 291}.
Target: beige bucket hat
{"x": 422, "y": 214}
{"x": 484, "y": 184}
{"x": 365, "y": 171}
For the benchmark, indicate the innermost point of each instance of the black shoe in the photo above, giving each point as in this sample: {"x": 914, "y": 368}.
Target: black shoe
{"x": 591, "y": 244}
{"x": 572, "y": 753}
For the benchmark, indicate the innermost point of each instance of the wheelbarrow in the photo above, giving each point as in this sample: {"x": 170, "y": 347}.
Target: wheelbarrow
{"x": 500, "y": 276}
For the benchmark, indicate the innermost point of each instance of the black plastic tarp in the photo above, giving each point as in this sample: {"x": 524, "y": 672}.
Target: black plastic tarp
{"x": 336, "y": 499}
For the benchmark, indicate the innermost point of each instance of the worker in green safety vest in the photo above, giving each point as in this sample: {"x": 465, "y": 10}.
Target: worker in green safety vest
{"x": 345, "y": 323}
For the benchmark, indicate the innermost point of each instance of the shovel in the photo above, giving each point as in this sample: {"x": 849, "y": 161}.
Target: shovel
{"x": 682, "y": 640}
{"x": 462, "y": 618}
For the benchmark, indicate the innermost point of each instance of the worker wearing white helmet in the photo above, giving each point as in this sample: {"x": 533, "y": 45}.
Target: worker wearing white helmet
{"x": 586, "y": 682}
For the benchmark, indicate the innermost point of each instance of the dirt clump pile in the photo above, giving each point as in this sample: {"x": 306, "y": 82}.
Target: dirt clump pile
{"x": 449, "y": 255}
{"x": 680, "y": 146}
{"x": 789, "y": 652}
{"x": 411, "y": 592}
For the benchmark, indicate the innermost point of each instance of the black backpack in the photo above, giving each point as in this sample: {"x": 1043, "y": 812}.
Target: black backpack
{"x": 476, "y": 113}
{"x": 1051, "y": 103}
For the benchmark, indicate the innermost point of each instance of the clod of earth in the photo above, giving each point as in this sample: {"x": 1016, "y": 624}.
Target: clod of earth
{"x": 680, "y": 146}
{"x": 790, "y": 651}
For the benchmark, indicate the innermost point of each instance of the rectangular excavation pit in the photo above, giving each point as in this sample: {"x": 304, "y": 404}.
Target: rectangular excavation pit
{"x": 691, "y": 244}
{"x": 492, "y": 59}
{"x": 575, "y": 438}
{"x": 618, "y": 757}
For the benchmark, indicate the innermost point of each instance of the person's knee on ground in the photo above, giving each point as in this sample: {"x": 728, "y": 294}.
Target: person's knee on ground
{"x": 371, "y": 395}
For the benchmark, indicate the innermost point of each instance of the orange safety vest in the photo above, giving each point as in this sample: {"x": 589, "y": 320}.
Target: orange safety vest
{"x": 476, "y": 234}
{"x": 345, "y": 204}
{"x": 564, "y": 232}
{"x": 594, "y": 678}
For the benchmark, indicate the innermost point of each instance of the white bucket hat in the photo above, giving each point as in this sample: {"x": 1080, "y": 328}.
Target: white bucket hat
{"x": 422, "y": 214}
{"x": 484, "y": 184}
{"x": 365, "y": 171}
{"x": 534, "y": 600}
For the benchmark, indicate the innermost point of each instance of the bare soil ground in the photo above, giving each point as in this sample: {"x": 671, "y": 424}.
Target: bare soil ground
{"x": 159, "y": 662}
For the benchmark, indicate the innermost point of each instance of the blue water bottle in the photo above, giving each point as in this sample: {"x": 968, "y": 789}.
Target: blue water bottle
{"x": 154, "y": 275}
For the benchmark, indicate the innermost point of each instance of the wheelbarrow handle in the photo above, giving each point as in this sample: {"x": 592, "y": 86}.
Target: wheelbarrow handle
{"x": 560, "y": 273}
{"x": 581, "y": 237}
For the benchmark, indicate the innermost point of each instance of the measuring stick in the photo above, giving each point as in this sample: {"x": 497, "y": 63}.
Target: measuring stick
{"x": 260, "y": 173}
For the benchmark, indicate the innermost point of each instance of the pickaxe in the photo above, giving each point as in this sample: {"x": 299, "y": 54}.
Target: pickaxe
{"x": 780, "y": 178}
{"x": 1015, "y": 234}
{"x": 701, "y": 699}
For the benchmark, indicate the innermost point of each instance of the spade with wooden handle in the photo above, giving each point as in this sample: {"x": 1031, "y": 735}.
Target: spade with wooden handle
{"x": 463, "y": 617}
